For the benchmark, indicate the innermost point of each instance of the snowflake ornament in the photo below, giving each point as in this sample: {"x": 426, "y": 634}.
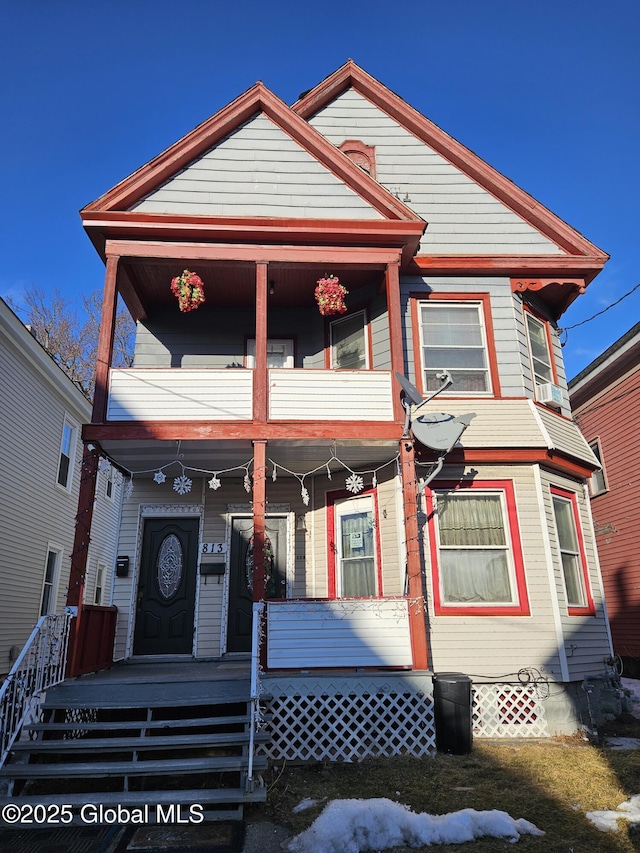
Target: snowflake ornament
{"x": 274, "y": 474}
{"x": 159, "y": 476}
{"x": 214, "y": 482}
{"x": 103, "y": 464}
{"x": 354, "y": 484}
{"x": 247, "y": 483}
{"x": 304, "y": 492}
{"x": 128, "y": 489}
{"x": 182, "y": 484}
{"x": 374, "y": 480}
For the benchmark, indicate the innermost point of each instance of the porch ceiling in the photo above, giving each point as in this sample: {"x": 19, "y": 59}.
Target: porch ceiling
{"x": 298, "y": 456}
{"x": 234, "y": 283}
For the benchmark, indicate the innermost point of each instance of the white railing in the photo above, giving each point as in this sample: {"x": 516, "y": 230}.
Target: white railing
{"x": 41, "y": 664}
{"x": 316, "y": 395}
{"x": 256, "y": 642}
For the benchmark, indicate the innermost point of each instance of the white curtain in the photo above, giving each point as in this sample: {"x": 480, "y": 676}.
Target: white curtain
{"x": 474, "y": 564}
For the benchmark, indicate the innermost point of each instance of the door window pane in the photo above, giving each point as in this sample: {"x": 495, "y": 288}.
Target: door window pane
{"x": 355, "y": 538}
{"x": 348, "y": 343}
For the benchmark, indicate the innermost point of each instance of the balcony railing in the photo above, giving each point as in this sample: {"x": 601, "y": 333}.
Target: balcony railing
{"x": 156, "y": 394}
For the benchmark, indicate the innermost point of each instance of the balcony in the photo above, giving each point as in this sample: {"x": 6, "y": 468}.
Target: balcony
{"x": 183, "y": 394}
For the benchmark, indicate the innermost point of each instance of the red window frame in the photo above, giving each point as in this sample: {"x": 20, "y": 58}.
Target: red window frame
{"x": 521, "y": 606}
{"x": 332, "y": 548}
{"x": 484, "y": 300}
{"x": 589, "y": 609}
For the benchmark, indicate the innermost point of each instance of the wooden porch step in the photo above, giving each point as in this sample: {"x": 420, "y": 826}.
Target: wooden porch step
{"x": 161, "y": 694}
{"x": 98, "y": 769}
{"x": 138, "y": 743}
{"x": 109, "y": 725}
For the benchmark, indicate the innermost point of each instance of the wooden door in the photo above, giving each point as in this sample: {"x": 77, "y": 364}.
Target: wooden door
{"x": 167, "y": 587}
{"x": 241, "y": 575}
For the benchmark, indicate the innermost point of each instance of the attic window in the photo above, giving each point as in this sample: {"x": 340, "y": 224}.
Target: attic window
{"x": 362, "y": 155}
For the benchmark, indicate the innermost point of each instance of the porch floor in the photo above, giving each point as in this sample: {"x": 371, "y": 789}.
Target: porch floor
{"x": 137, "y": 683}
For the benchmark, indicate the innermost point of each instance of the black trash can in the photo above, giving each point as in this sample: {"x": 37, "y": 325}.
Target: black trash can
{"x": 453, "y": 713}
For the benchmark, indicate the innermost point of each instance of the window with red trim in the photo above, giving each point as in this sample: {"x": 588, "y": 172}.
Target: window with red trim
{"x": 476, "y": 554}
{"x": 572, "y": 554}
{"x": 540, "y": 350}
{"x": 453, "y": 337}
{"x": 354, "y": 545}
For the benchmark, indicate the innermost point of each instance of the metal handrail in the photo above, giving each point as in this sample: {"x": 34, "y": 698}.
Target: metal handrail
{"x": 256, "y": 637}
{"x": 41, "y": 664}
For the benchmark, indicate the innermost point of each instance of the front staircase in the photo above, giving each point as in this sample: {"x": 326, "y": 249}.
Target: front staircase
{"x": 173, "y": 739}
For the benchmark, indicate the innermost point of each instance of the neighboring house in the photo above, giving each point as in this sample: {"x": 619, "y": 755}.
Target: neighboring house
{"x": 41, "y": 413}
{"x": 266, "y": 441}
{"x": 605, "y": 398}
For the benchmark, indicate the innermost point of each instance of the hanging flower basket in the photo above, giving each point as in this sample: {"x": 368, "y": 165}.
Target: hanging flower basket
{"x": 189, "y": 290}
{"x": 330, "y": 296}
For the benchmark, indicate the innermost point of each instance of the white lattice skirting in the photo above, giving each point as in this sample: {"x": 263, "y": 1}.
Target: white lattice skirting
{"x": 508, "y": 710}
{"x": 349, "y": 720}
{"x": 342, "y": 719}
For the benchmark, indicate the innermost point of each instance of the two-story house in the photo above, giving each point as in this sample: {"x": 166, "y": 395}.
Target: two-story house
{"x": 266, "y": 445}
{"x": 41, "y": 415}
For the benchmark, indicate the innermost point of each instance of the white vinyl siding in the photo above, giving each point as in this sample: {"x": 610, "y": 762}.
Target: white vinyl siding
{"x": 344, "y": 395}
{"x": 352, "y": 632}
{"x": 258, "y": 170}
{"x": 463, "y": 217}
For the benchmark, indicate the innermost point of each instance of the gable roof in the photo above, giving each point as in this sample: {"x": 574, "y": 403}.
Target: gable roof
{"x": 351, "y": 76}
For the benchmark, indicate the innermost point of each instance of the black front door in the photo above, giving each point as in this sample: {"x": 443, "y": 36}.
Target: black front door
{"x": 167, "y": 587}
{"x": 241, "y": 575}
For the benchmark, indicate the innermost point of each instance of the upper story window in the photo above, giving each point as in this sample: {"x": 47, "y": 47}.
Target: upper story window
{"x": 67, "y": 447}
{"x": 572, "y": 554}
{"x": 475, "y": 550}
{"x": 101, "y": 573}
{"x": 598, "y": 482}
{"x": 280, "y": 352}
{"x": 453, "y": 337}
{"x": 354, "y": 561}
{"x": 539, "y": 350}
{"x": 348, "y": 343}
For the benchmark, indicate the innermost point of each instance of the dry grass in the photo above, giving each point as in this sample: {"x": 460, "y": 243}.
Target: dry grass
{"x": 551, "y": 783}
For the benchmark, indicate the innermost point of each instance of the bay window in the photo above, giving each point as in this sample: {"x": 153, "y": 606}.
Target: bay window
{"x": 475, "y": 548}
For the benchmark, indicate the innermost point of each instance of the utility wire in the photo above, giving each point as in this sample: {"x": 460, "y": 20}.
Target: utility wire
{"x": 604, "y": 310}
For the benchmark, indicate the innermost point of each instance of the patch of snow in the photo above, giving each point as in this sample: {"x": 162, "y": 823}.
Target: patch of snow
{"x": 355, "y": 826}
{"x": 633, "y": 686}
{"x": 307, "y": 803}
{"x": 623, "y": 742}
{"x": 607, "y": 819}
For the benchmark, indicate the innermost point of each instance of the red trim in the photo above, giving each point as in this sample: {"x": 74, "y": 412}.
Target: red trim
{"x": 370, "y": 256}
{"x": 528, "y": 309}
{"x": 485, "y": 302}
{"x": 260, "y": 372}
{"x": 589, "y": 609}
{"x": 363, "y": 155}
{"x": 331, "y": 498}
{"x": 352, "y": 76}
{"x": 256, "y": 99}
{"x": 521, "y": 608}
{"x": 582, "y": 266}
{"x": 105, "y": 340}
{"x": 414, "y": 568}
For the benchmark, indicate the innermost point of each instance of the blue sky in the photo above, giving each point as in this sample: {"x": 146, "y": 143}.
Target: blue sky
{"x": 546, "y": 92}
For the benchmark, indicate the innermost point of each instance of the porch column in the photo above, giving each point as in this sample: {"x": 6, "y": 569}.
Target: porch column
{"x": 259, "y": 502}
{"x": 395, "y": 332}
{"x": 82, "y": 538}
{"x": 260, "y": 376}
{"x": 416, "y": 590}
{"x": 105, "y": 341}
